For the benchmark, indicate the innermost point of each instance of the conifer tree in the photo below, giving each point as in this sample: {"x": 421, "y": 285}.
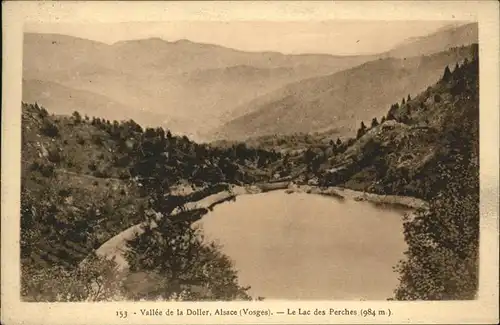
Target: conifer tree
{"x": 77, "y": 117}
{"x": 446, "y": 74}
{"x": 361, "y": 130}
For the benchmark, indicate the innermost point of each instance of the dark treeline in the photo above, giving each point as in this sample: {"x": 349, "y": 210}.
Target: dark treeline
{"x": 139, "y": 149}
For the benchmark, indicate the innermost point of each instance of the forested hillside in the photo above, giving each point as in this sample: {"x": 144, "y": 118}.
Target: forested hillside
{"x": 86, "y": 179}
{"x": 394, "y": 153}
{"x": 426, "y": 147}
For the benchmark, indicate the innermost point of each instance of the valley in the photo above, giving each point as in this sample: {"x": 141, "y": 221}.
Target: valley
{"x": 111, "y": 195}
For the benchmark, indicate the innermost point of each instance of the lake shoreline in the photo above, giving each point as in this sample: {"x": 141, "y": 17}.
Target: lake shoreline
{"x": 115, "y": 247}
{"x": 346, "y": 193}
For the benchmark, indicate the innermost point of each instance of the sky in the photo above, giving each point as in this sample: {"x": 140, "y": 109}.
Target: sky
{"x": 294, "y": 37}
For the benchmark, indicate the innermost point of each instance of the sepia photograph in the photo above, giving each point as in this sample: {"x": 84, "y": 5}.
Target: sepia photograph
{"x": 249, "y": 161}
{"x": 155, "y": 166}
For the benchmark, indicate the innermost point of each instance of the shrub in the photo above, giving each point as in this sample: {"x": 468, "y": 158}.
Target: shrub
{"x": 46, "y": 170}
{"x": 64, "y": 192}
{"x": 77, "y": 117}
{"x": 97, "y": 279}
{"x": 43, "y": 112}
{"x": 124, "y": 175}
{"x": 49, "y": 129}
{"x": 92, "y": 166}
{"x": 80, "y": 140}
{"x": 179, "y": 270}
{"x": 55, "y": 156}
{"x": 443, "y": 243}
{"x": 102, "y": 173}
{"x": 97, "y": 139}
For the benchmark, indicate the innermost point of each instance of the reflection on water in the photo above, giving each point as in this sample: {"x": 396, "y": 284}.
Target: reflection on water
{"x": 303, "y": 246}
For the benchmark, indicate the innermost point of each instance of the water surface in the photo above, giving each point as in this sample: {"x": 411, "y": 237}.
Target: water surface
{"x": 305, "y": 246}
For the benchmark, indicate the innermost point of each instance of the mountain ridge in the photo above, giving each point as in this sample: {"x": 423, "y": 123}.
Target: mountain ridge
{"x": 340, "y": 100}
{"x": 160, "y": 80}
{"x": 452, "y": 27}
{"x": 157, "y": 78}
{"x": 450, "y": 36}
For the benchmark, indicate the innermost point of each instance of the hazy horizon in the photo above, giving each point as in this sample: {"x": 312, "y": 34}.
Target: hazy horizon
{"x": 322, "y": 37}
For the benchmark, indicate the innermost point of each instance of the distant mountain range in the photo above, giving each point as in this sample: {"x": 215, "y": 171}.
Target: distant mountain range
{"x": 191, "y": 85}
{"x": 441, "y": 40}
{"x": 199, "y": 89}
{"x": 342, "y": 100}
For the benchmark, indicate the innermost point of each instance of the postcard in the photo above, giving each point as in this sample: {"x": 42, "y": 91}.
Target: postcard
{"x": 250, "y": 162}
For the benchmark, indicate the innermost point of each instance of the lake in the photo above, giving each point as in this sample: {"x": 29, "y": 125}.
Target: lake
{"x": 306, "y": 246}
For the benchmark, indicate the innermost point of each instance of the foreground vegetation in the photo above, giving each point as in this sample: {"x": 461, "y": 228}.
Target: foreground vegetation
{"x": 443, "y": 257}
{"x": 86, "y": 179}
{"x": 428, "y": 147}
